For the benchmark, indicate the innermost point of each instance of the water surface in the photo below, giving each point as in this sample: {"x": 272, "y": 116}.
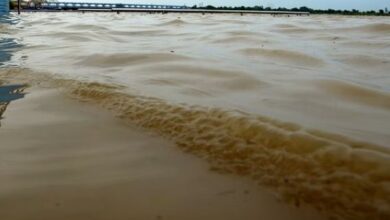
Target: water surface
{"x": 301, "y": 104}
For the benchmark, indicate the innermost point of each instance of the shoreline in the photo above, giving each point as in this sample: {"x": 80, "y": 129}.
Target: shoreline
{"x": 166, "y": 11}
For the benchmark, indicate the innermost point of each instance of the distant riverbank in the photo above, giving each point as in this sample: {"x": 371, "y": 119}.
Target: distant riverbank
{"x": 42, "y": 5}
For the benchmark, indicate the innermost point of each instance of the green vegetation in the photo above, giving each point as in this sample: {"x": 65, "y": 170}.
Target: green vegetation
{"x": 31, "y": 4}
{"x": 13, "y": 4}
{"x": 304, "y": 9}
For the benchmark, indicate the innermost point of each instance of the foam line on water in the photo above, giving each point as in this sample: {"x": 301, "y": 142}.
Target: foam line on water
{"x": 344, "y": 177}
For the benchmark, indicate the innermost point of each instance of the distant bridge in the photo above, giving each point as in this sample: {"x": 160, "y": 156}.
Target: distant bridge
{"x": 102, "y": 6}
{"x": 149, "y": 8}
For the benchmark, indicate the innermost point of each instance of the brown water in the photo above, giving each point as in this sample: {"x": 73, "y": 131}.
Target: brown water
{"x": 61, "y": 159}
{"x": 301, "y": 104}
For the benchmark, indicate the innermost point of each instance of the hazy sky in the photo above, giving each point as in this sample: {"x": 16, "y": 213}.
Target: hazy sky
{"x": 323, "y": 4}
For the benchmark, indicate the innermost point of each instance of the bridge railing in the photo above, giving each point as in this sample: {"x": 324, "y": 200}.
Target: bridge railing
{"x": 76, "y": 5}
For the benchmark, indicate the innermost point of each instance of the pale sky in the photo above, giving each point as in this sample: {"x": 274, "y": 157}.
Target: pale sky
{"x": 320, "y": 4}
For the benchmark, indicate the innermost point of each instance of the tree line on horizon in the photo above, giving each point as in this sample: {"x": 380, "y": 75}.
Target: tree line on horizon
{"x": 302, "y": 9}
{"x": 381, "y": 12}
